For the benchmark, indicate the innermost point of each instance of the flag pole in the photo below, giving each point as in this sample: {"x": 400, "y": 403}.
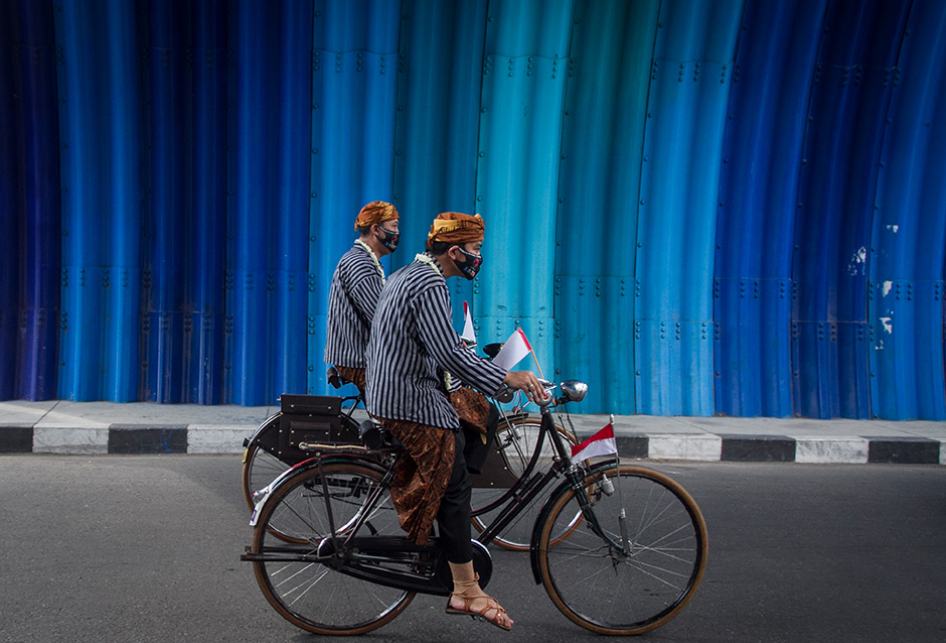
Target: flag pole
{"x": 536, "y": 363}
{"x": 622, "y": 517}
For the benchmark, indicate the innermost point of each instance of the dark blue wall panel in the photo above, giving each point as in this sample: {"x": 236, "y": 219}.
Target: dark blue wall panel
{"x": 100, "y": 159}
{"x": 730, "y": 207}
{"x": 851, "y": 86}
{"x": 908, "y": 236}
{"x": 757, "y": 204}
{"x": 29, "y": 202}
{"x": 11, "y": 207}
{"x": 183, "y": 85}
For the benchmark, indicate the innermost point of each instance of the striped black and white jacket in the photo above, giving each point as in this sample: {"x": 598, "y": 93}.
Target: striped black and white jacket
{"x": 412, "y": 343}
{"x": 356, "y": 285}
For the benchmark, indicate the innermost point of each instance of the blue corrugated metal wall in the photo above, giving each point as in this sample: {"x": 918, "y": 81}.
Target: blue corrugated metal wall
{"x": 699, "y": 206}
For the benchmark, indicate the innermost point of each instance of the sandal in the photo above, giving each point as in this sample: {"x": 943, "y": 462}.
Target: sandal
{"x": 491, "y": 604}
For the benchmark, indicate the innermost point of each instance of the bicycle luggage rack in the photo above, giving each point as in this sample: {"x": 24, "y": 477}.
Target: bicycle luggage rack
{"x": 311, "y": 419}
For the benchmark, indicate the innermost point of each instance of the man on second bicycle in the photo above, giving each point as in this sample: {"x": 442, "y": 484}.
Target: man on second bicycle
{"x": 356, "y": 285}
{"x": 412, "y": 344}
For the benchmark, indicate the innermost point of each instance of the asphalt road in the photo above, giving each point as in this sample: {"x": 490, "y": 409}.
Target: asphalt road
{"x": 146, "y": 548}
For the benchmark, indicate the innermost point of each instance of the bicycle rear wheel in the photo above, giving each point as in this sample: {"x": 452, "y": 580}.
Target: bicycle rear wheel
{"x": 308, "y": 594}
{"x": 516, "y": 442}
{"x": 601, "y": 586}
{"x": 261, "y": 466}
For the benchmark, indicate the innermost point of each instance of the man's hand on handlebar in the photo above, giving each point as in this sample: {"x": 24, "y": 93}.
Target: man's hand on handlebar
{"x": 526, "y": 382}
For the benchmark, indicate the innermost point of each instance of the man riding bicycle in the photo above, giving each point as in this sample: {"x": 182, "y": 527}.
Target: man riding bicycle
{"x": 412, "y": 344}
{"x": 356, "y": 285}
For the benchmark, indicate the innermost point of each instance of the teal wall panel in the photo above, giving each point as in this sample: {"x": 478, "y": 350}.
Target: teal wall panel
{"x": 602, "y": 141}
{"x": 520, "y": 126}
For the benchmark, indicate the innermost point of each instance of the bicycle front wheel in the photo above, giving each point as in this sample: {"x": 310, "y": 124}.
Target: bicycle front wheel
{"x": 308, "y": 594}
{"x": 642, "y": 566}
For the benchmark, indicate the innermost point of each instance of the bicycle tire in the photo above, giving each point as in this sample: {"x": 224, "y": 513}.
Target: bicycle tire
{"x": 516, "y": 443}
{"x": 312, "y": 596}
{"x": 261, "y": 467}
{"x": 638, "y": 592}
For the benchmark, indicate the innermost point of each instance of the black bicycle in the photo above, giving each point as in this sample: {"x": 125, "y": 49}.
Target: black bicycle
{"x": 620, "y": 549}
{"x": 274, "y": 447}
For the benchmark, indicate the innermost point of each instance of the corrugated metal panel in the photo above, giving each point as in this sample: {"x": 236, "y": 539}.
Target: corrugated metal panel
{"x": 596, "y": 231}
{"x": 204, "y": 205}
{"x": 908, "y": 237}
{"x": 850, "y": 91}
{"x": 686, "y": 115}
{"x": 756, "y": 215}
{"x": 183, "y": 213}
{"x": 269, "y": 214}
{"x": 354, "y": 92}
{"x": 527, "y": 49}
{"x": 440, "y": 68}
{"x": 266, "y": 46}
{"x": 100, "y": 174}
{"x": 11, "y": 208}
{"x": 29, "y": 202}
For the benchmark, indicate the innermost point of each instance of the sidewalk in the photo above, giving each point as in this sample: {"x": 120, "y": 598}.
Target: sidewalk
{"x": 87, "y": 428}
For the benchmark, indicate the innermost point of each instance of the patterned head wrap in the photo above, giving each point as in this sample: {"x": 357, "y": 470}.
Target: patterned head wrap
{"x": 456, "y": 228}
{"x": 375, "y": 212}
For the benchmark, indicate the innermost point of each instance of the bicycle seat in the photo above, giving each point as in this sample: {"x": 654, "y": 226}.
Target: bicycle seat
{"x": 492, "y": 350}
{"x": 334, "y": 378}
{"x": 375, "y": 437}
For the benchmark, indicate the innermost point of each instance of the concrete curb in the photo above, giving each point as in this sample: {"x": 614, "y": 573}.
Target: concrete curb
{"x": 170, "y": 438}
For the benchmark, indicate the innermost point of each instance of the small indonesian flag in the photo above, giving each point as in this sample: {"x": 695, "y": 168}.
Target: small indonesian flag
{"x": 512, "y": 352}
{"x": 468, "y": 335}
{"x": 601, "y": 443}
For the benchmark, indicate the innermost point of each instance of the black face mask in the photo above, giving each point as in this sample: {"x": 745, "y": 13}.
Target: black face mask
{"x": 471, "y": 263}
{"x": 390, "y": 239}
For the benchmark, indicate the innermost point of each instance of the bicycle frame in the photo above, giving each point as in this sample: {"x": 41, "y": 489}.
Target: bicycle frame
{"x": 531, "y": 485}
{"x": 395, "y": 561}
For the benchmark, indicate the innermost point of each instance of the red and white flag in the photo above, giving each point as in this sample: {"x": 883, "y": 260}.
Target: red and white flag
{"x": 601, "y": 443}
{"x": 468, "y": 335}
{"x": 512, "y": 352}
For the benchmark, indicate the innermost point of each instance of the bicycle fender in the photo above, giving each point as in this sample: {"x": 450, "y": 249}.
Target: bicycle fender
{"x": 544, "y": 514}
{"x": 305, "y": 464}
{"x": 263, "y": 425}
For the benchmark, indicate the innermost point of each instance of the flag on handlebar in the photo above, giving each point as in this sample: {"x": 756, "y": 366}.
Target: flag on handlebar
{"x": 468, "y": 335}
{"x": 512, "y": 352}
{"x": 601, "y": 443}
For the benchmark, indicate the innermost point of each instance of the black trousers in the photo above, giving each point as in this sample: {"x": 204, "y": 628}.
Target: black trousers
{"x": 453, "y": 518}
